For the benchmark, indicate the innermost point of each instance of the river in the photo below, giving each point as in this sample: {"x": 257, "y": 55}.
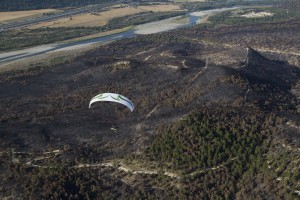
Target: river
{"x": 148, "y": 28}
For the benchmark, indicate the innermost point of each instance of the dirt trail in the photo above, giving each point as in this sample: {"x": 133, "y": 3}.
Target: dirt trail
{"x": 133, "y": 170}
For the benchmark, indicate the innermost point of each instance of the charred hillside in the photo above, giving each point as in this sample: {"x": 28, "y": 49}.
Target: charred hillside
{"x": 277, "y": 73}
{"x": 210, "y": 121}
{"x": 270, "y": 81}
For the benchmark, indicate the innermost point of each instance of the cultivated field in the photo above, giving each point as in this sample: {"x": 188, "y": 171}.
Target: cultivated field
{"x": 16, "y": 15}
{"x": 101, "y": 18}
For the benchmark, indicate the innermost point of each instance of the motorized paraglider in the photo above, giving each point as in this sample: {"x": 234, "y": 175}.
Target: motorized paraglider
{"x": 113, "y": 97}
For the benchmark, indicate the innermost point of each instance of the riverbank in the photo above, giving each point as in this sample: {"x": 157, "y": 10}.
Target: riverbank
{"x": 8, "y": 58}
{"x": 88, "y": 42}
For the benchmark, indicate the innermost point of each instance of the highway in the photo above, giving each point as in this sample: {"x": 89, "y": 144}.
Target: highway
{"x": 66, "y": 13}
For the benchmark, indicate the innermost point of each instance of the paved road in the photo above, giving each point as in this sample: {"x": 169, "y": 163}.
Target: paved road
{"x": 67, "y": 13}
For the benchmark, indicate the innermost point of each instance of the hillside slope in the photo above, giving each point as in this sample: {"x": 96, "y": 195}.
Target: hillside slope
{"x": 211, "y": 121}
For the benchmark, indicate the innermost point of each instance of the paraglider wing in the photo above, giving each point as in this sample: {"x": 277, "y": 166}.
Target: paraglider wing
{"x": 114, "y": 98}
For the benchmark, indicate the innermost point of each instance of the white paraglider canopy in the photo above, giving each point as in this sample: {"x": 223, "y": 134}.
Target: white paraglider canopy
{"x": 114, "y": 98}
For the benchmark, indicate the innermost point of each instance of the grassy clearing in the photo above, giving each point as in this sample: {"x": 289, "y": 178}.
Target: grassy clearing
{"x": 20, "y": 15}
{"x": 102, "y": 18}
